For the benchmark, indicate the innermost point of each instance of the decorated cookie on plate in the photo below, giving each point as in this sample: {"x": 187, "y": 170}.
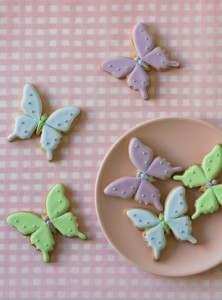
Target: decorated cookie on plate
{"x": 173, "y": 220}
{"x": 141, "y": 186}
{"x": 205, "y": 177}
{"x": 42, "y": 229}
{"x": 33, "y": 120}
{"x": 146, "y": 56}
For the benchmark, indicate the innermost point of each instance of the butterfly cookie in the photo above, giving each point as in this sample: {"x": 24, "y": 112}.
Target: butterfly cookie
{"x": 173, "y": 219}
{"x": 50, "y": 128}
{"x": 204, "y": 176}
{"x": 42, "y": 229}
{"x": 146, "y": 56}
{"x": 140, "y": 186}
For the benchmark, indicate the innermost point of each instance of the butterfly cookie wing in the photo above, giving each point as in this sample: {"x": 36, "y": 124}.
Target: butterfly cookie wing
{"x": 26, "y": 124}
{"x": 212, "y": 163}
{"x": 142, "y": 40}
{"x": 125, "y": 187}
{"x": 147, "y": 193}
{"x": 175, "y": 208}
{"x": 158, "y": 59}
{"x": 161, "y": 168}
{"x": 208, "y": 201}
{"x": 198, "y": 176}
{"x": 50, "y": 139}
{"x": 120, "y": 67}
{"x": 154, "y": 232}
{"x": 56, "y": 206}
{"x": 28, "y": 223}
{"x": 140, "y": 154}
{"x": 139, "y": 81}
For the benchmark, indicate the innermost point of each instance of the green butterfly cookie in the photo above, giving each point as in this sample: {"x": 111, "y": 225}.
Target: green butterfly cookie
{"x": 41, "y": 229}
{"x": 204, "y": 177}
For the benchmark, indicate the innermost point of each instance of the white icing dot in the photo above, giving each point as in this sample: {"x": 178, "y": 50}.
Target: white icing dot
{"x": 158, "y": 54}
{"x": 146, "y": 162}
{"x": 143, "y": 196}
{"x": 37, "y": 240}
{"x": 166, "y": 171}
{"x": 134, "y": 80}
{"x": 161, "y": 163}
{"x": 136, "y": 145}
{"x": 181, "y": 231}
{"x": 109, "y": 65}
{"x": 147, "y": 47}
{"x": 127, "y": 68}
{"x": 114, "y": 189}
{"x": 123, "y": 192}
{"x": 162, "y": 61}
{"x": 143, "y": 82}
{"x": 146, "y": 38}
{"x": 132, "y": 187}
{"x": 144, "y": 153}
{"x": 118, "y": 69}
{"x": 141, "y": 30}
{"x": 152, "y": 195}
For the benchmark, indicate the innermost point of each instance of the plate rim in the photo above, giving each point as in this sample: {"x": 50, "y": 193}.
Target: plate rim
{"x": 192, "y": 119}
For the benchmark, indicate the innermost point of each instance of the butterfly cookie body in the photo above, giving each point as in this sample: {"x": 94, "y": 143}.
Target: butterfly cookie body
{"x": 42, "y": 229}
{"x": 204, "y": 176}
{"x": 172, "y": 220}
{"x": 146, "y": 57}
{"x": 140, "y": 186}
{"x": 49, "y": 127}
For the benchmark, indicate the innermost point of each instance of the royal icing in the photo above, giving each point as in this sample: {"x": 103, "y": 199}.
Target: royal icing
{"x": 140, "y": 186}
{"x": 42, "y": 229}
{"x": 51, "y": 127}
{"x": 173, "y": 220}
{"x": 147, "y": 56}
{"x": 204, "y": 177}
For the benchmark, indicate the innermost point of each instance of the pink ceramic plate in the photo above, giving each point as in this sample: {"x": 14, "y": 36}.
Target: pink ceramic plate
{"x": 182, "y": 141}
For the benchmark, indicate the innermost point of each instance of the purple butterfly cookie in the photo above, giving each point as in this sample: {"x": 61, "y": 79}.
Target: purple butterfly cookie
{"x": 140, "y": 186}
{"x": 146, "y": 56}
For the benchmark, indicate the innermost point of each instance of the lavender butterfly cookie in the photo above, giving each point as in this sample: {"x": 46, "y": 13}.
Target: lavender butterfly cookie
{"x": 146, "y": 56}
{"x": 140, "y": 186}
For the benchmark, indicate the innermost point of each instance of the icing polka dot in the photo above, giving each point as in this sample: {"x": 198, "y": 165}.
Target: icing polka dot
{"x": 141, "y": 30}
{"x": 109, "y": 65}
{"x": 114, "y": 189}
{"x": 143, "y": 196}
{"x": 134, "y": 80}
{"x": 136, "y": 146}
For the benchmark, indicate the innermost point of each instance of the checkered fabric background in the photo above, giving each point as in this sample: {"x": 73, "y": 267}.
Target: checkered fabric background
{"x": 58, "y": 46}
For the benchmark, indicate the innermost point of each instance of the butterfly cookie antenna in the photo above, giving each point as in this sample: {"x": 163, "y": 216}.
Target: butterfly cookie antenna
{"x": 41, "y": 124}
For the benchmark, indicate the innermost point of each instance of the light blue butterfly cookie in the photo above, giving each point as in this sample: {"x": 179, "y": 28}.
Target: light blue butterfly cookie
{"x": 173, "y": 220}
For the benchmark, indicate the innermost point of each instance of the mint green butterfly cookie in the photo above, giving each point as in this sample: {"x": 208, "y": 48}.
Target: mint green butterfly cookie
{"x": 41, "y": 229}
{"x": 205, "y": 177}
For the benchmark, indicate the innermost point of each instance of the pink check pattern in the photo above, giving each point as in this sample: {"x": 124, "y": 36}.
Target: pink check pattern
{"x": 58, "y": 46}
